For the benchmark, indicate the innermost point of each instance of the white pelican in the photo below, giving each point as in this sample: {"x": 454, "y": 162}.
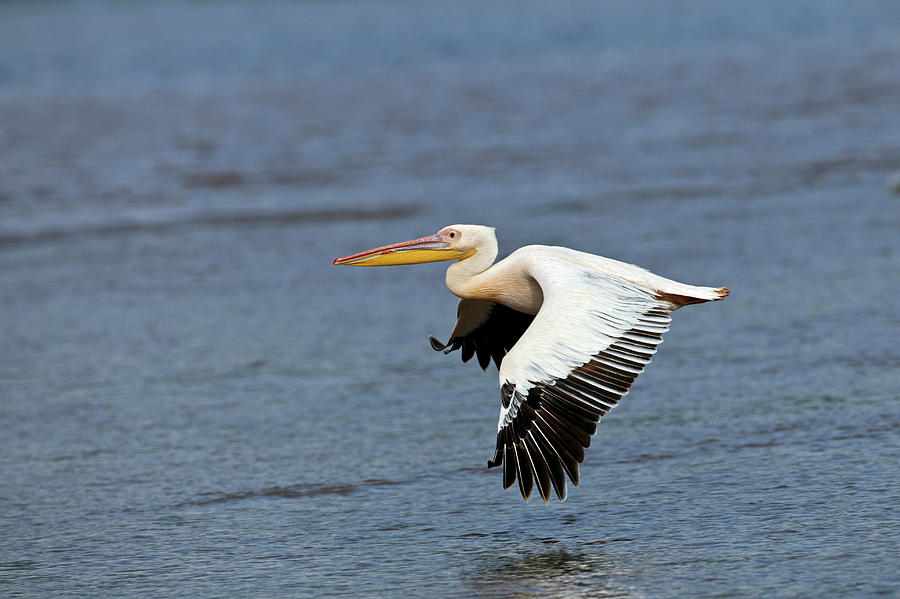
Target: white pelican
{"x": 569, "y": 332}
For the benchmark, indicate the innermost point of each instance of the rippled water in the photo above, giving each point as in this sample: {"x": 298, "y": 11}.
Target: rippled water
{"x": 195, "y": 401}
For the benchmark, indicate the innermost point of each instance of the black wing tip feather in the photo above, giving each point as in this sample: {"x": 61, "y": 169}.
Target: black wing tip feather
{"x": 498, "y": 455}
{"x": 492, "y": 339}
{"x": 537, "y": 452}
{"x": 555, "y": 421}
{"x": 452, "y": 345}
{"x": 484, "y": 357}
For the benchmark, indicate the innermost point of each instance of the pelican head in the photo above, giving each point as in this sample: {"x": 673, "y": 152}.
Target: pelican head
{"x": 456, "y": 242}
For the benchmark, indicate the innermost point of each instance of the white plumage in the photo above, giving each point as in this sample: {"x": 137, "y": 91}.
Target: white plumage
{"x": 569, "y": 331}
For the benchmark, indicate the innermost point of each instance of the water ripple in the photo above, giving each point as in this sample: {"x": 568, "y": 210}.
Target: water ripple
{"x": 282, "y": 218}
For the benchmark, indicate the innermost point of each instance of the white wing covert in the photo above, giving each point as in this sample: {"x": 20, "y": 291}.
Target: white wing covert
{"x": 592, "y": 337}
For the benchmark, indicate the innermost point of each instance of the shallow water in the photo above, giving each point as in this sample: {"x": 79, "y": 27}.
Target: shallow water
{"x": 195, "y": 401}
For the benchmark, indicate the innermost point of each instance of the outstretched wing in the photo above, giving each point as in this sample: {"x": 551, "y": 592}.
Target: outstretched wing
{"x": 592, "y": 337}
{"x": 486, "y": 329}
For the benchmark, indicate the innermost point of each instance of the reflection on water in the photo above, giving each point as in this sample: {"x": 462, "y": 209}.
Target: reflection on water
{"x": 551, "y": 573}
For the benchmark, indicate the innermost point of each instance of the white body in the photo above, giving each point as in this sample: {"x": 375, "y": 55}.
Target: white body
{"x": 576, "y": 331}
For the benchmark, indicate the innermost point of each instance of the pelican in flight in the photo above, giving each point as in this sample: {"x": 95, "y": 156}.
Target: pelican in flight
{"x": 569, "y": 331}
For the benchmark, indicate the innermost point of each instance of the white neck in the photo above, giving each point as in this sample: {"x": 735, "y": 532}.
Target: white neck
{"x": 462, "y": 275}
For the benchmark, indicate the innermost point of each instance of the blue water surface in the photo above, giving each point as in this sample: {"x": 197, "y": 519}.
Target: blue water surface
{"x": 195, "y": 402}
